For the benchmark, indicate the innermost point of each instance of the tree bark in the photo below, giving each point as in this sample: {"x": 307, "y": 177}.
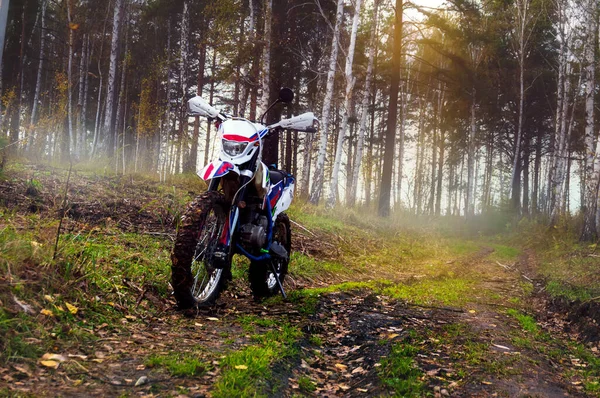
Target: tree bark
{"x": 365, "y": 108}
{"x": 265, "y": 75}
{"x": 388, "y": 157}
{"x": 350, "y": 81}
{"x": 320, "y": 166}
{"x": 38, "y": 81}
{"x": 112, "y": 77}
{"x": 592, "y": 144}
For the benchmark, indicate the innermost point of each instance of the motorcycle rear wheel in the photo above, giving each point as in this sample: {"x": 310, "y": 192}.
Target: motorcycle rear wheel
{"x": 261, "y": 275}
{"x": 194, "y": 278}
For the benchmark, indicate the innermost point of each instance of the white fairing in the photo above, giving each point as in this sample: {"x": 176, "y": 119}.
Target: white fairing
{"x": 241, "y": 133}
{"x": 303, "y": 122}
{"x": 198, "y": 106}
{"x": 284, "y": 201}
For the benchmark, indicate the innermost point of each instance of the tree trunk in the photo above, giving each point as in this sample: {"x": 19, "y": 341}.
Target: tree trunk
{"x": 320, "y": 166}
{"x": 592, "y": 144}
{"x": 82, "y": 66}
{"x": 16, "y": 108}
{"x": 112, "y": 77}
{"x": 469, "y": 205}
{"x": 120, "y": 106}
{"x": 350, "y": 81}
{"x": 265, "y": 75}
{"x": 365, "y": 108}
{"x": 210, "y": 99}
{"x": 38, "y": 81}
{"x": 388, "y": 157}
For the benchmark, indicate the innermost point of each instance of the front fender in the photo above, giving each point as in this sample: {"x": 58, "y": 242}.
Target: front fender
{"x": 217, "y": 168}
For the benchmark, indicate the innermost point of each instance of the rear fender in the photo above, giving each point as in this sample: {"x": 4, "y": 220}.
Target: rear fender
{"x": 216, "y": 169}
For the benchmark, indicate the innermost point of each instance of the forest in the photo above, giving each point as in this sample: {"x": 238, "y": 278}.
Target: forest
{"x": 463, "y": 109}
{"x": 443, "y": 239}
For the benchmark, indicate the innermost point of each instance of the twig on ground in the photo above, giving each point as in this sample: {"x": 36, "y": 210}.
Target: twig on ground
{"x": 526, "y": 277}
{"x": 303, "y": 228}
{"x": 64, "y": 211}
{"x": 504, "y": 266}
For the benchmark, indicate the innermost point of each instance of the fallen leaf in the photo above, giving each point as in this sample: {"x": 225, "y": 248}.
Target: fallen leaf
{"x": 358, "y": 370}
{"x": 50, "y": 364}
{"x": 198, "y": 324}
{"x": 393, "y": 335}
{"x": 501, "y": 347}
{"x": 241, "y": 367}
{"x": 343, "y": 387}
{"x": 142, "y": 380}
{"x": 472, "y": 311}
{"x": 487, "y": 383}
{"x": 77, "y": 383}
{"x": 83, "y": 357}
{"x": 49, "y": 298}
{"x": 46, "y": 312}
{"x": 54, "y": 357}
{"x": 210, "y": 318}
{"x": 22, "y": 369}
{"x": 362, "y": 390}
{"x": 341, "y": 366}
{"x": 433, "y": 372}
{"x": 24, "y": 306}
{"x": 72, "y": 309}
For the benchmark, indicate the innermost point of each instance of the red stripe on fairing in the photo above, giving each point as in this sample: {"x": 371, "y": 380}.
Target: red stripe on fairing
{"x": 239, "y": 138}
{"x": 275, "y": 197}
{"x": 225, "y": 166}
{"x": 208, "y": 171}
{"x": 225, "y": 234}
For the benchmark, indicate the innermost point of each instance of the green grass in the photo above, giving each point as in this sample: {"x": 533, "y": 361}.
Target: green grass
{"x": 309, "y": 267}
{"x": 447, "y": 291}
{"x": 247, "y": 372}
{"x": 100, "y": 270}
{"x": 399, "y": 371}
{"x": 178, "y": 364}
{"x": 504, "y": 254}
{"x": 527, "y": 322}
{"x": 462, "y": 247}
{"x": 306, "y": 384}
{"x": 570, "y": 292}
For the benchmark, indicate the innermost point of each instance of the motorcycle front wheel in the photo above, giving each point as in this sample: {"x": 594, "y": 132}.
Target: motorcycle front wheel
{"x": 262, "y": 273}
{"x": 194, "y": 278}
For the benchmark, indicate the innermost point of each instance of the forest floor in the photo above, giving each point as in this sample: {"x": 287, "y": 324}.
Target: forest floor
{"x": 373, "y": 309}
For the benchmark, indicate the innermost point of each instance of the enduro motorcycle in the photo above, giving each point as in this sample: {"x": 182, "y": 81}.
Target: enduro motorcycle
{"x": 242, "y": 212}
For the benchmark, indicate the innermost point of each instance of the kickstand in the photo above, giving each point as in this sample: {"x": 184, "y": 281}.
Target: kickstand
{"x": 278, "y": 281}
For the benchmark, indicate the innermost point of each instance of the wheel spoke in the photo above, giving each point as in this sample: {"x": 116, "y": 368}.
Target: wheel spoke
{"x": 206, "y": 278}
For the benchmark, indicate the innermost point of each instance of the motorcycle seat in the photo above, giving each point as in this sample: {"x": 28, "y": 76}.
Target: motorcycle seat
{"x": 276, "y": 176}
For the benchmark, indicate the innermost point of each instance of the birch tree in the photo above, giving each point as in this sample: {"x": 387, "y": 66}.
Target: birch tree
{"x": 350, "y": 81}
{"x": 320, "y": 166}
{"x": 351, "y": 196}
{"x": 112, "y": 77}
{"x": 265, "y": 80}
{"x": 592, "y": 145}
{"x": 80, "y": 117}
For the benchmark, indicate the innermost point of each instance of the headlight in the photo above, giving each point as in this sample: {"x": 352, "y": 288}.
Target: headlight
{"x": 233, "y": 148}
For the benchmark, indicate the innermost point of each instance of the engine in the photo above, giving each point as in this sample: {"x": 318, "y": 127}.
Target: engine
{"x": 253, "y": 236}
